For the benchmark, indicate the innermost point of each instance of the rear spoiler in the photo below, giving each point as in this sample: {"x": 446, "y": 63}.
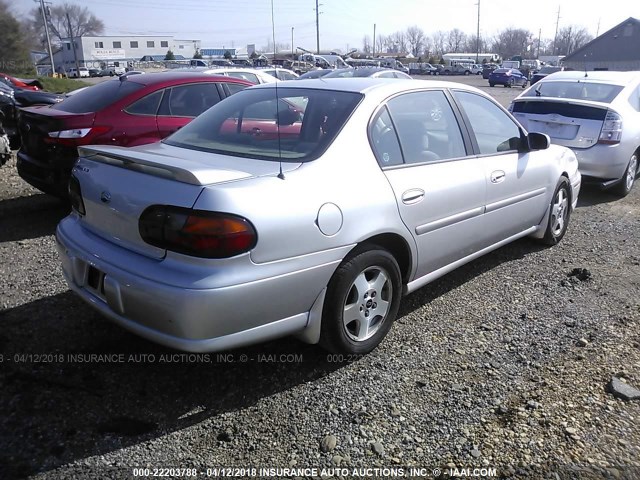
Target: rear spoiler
{"x": 173, "y": 168}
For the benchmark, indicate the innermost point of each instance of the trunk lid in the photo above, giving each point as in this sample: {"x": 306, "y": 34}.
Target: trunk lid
{"x": 36, "y": 123}
{"x": 118, "y": 184}
{"x": 572, "y": 124}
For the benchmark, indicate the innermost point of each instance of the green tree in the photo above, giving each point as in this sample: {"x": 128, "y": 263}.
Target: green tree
{"x": 227, "y": 55}
{"x": 197, "y": 55}
{"x": 14, "y": 49}
{"x": 169, "y": 55}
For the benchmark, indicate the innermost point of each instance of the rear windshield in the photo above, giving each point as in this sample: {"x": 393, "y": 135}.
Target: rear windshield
{"x": 595, "y": 92}
{"x": 297, "y": 125}
{"x": 97, "y": 97}
{"x": 501, "y": 70}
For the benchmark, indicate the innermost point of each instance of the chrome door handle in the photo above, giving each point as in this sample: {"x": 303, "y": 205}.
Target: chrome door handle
{"x": 497, "y": 176}
{"x": 412, "y": 196}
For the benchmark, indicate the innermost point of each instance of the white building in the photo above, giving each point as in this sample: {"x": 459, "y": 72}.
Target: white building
{"x": 119, "y": 50}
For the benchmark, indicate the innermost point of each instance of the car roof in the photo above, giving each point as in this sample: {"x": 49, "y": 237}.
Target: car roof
{"x": 369, "y": 86}
{"x": 173, "y": 77}
{"x": 615, "y": 78}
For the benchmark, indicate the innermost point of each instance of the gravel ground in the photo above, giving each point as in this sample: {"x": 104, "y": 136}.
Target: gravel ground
{"x": 504, "y": 363}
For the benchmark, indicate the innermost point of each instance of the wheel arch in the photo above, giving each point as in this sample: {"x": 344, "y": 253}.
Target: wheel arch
{"x": 396, "y": 245}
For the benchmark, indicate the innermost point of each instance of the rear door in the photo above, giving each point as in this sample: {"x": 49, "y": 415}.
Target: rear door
{"x": 182, "y": 103}
{"x": 440, "y": 191}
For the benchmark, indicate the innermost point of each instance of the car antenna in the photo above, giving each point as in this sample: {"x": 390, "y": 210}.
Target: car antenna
{"x": 273, "y": 34}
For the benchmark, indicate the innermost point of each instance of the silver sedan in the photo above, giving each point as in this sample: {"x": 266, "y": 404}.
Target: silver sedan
{"x": 596, "y": 114}
{"x": 306, "y": 209}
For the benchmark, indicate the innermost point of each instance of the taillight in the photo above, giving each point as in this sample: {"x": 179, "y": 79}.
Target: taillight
{"x": 75, "y": 136}
{"x": 611, "y": 132}
{"x": 196, "y": 232}
{"x": 75, "y": 195}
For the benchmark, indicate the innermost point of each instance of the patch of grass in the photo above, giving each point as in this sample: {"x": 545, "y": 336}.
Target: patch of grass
{"x": 61, "y": 85}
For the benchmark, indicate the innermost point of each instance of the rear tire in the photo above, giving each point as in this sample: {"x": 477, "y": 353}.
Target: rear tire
{"x": 559, "y": 213}
{"x": 362, "y": 302}
{"x": 629, "y": 178}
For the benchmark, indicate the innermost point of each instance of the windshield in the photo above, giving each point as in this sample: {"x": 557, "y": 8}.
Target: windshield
{"x": 97, "y": 97}
{"x": 296, "y": 125}
{"x": 596, "y": 92}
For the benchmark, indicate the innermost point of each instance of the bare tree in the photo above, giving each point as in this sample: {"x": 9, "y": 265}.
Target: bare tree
{"x": 571, "y": 38}
{"x": 415, "y": 39}
{"x": 399, "y": 40}
{"x": 366, "y": 45}
{"x": 82, "y": 21}
{"x": 512, "y": 41}
{"x": 455, "y": 40}
{"x": 439, "y": 42}
{"x": 471, "y": 44}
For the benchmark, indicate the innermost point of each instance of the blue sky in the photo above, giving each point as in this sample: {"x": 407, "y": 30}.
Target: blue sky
{"x": 343, "y": 23}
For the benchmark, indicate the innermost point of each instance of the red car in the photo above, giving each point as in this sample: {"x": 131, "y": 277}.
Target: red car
{"x": 128, "y": 111}
{"x": 18, "y": 83}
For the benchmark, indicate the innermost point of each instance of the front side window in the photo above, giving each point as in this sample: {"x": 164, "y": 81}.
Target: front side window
{"x": 249, "y": 77}
{"x": 427, "y": 127}
{"x": 494, "y": 130}
{"x": 287, "y": 124}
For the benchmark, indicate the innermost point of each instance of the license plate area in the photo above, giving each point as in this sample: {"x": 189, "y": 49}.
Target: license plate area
{"x": 95, "y": 281}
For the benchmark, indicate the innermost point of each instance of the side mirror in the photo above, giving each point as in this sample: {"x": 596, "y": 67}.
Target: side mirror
{"x": 538, "y": 141}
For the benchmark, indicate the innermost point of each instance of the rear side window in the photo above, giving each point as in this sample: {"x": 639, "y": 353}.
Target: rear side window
{"x": 426, "y": 126}
{"x": 296, "y": 125}
{"x": 234, "y": 87}
{"x": 97, "y": 97}
{"x": 146, "y": 105}
{"x": 190, "y": 100}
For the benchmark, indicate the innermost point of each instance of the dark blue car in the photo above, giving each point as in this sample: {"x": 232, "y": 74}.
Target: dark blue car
{"x": 508, "y": 77}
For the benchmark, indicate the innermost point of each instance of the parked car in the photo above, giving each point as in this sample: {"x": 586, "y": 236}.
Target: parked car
{"x": 487, "y": 68}
{"x": 95, "y": 72}
{"x": 126, "y": 111}
{"x": 374, "y": 72}
{"x": 547, "y": 70}
{"x": 112, "y": 70}
{"x": 281, "y": 73}
{"x": 422, "y": 69}
{"x": 439, "y": 69}
{"x": 476, "y": 69}
{"x": 8, "y": 114}
{"x": 507, "y": 77}
{"x": 377, "y": 189}
{"x": 315, "y": 74}
{"x": 596, "y": 114}
{"x": 22, "y": 83}
{"x": 253, "y": 75}
{"x": 299, "y": 67}
{"x": 25, "y": 97}
{"x": 78, "y": 73}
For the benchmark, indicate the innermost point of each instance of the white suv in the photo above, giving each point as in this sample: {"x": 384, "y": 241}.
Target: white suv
{"x": 78, "y": 73}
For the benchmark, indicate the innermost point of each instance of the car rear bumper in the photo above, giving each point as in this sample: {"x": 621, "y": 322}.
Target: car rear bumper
{"x": 186, "y": 318}
{"x": 50, "y": 177}
{"x": 602, "y": 163}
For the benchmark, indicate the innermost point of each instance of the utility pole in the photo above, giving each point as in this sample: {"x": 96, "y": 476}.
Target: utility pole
{"x": 373, "y": 48}
{"x": 478, "y": 35}
{"x": 46, "y": 31}
{"x": 292, "y": 54}
{"x": 555, "y": 37}
{"x": 73, "y": 46}
{"x": 539, "y": 36}
{"x": 317, "y": 28}
{"x": 598, "y": 29}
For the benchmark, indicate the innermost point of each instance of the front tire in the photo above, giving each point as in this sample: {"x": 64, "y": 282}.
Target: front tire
{"x": 559, "y": 213}
{"x": 629, "y": 178}
{"x": 492, "y": 84}
{"x": 362, "y": 302}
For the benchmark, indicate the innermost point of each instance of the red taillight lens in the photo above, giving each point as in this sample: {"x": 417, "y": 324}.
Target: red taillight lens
{"x": 76, "y": 136}
{"x": 611, "y": 132}
{"x": 196, "y": 232}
